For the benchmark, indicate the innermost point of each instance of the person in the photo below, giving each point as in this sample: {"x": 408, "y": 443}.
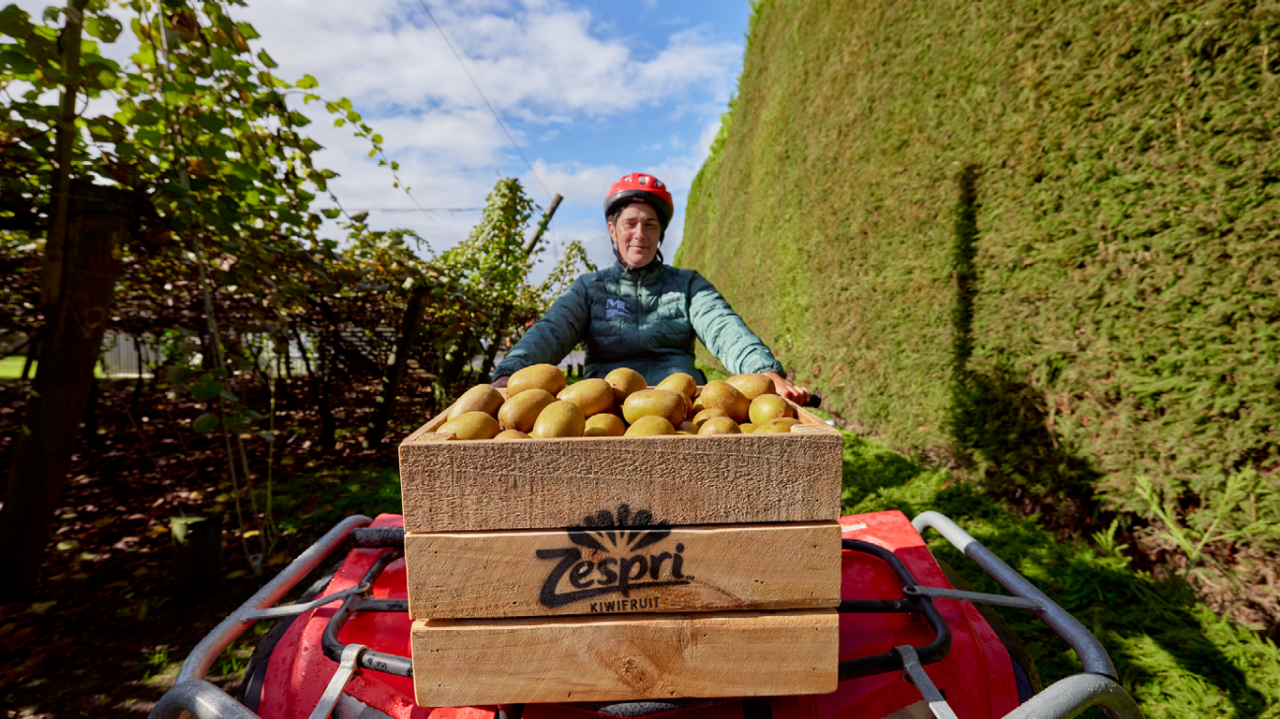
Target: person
{"x": 641, "y": 313}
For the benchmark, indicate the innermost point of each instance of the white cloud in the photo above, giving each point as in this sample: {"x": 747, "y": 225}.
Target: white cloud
{"x": 538, "y": 62}
{"x": 579, "y": 183}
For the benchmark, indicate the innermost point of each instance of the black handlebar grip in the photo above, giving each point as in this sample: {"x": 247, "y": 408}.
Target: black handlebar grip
{"x": 815, "y": 401}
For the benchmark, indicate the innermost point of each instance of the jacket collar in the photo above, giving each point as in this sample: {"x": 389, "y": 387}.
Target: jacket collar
{"x": 642, "y": 275}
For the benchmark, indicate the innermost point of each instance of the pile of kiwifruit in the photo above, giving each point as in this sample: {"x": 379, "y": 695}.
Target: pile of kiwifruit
{"x": 540, "y": 404}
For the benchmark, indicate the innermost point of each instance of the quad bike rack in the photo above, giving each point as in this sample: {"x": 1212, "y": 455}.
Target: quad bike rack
{"x": 1095, "y": 686}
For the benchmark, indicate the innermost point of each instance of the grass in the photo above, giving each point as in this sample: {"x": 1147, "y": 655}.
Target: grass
{"x": 11, "y": 367}
{"x": 315, "y": 502}
{"x": 1171, "y": 651}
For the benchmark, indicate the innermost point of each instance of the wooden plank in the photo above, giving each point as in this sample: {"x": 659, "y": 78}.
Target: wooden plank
{"x": 459, "y": 575}
{"x": 482, "y": 485}
{"x": 572, "y": 659}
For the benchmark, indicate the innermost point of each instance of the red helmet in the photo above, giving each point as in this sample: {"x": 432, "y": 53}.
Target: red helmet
{"x": 639, "y": 186}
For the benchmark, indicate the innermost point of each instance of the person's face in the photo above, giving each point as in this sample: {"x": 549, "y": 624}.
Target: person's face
{"x": 636, "y": 233}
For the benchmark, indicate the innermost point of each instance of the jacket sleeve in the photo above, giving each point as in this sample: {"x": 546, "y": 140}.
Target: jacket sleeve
{"x": 724, "y": 332}
{"x": 553, "y": 336}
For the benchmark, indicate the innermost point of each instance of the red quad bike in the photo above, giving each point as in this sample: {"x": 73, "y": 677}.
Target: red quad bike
{"x": 911, "y": 644}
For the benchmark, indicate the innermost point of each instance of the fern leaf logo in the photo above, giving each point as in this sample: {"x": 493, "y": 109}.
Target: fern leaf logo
{"x": 619, "y": 532}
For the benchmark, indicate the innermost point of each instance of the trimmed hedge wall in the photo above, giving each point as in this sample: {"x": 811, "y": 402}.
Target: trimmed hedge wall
{"x": 1042, "y": 235}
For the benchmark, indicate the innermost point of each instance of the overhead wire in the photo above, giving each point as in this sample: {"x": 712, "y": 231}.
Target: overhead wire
{"x": 497, "y": 117}
{"x": 426, "y": 209}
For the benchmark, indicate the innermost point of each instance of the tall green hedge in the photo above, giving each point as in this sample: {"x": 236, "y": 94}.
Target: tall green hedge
{"x": 1044, "y": 235}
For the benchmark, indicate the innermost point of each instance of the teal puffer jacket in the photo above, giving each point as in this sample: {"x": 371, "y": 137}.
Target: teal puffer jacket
{"x": 645, "y": 319}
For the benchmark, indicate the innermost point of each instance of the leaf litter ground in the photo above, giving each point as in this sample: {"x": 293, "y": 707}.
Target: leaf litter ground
{"x": 104, "y": 636}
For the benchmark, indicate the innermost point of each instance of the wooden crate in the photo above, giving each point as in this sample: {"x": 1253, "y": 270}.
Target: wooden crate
{"x": 729, "y": 543}
{"x": 457, "y": 575}
{"x": 483, "y": 485}
{"x": 572, "y": 659}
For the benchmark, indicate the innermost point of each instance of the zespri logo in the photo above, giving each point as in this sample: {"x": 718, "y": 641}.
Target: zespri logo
{"x": 631, "y": 561}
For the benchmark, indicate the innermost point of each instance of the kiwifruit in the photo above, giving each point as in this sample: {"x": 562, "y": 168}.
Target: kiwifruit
{"x": 680, "y": 382}
{"x": 722, "y": 395}
{"x": 707, "y": 414}
{"x": 686, "y": 428}
{"x": 752, "y": 384}
{"x": 650, "y": 425}
{"x": 719, "y": 425}
{"x": 769, "y": 406}
{"x": 746, "y": 428}
{"x": 471, "y": 425}
{"x": 624, "y": 381}
{"x": 779, "y": 425}
{"x": 542, "y": 376}
{"x": 481, "y": 398}
{"x": 655, "y": 402}
{"x": 604, "y": 425}
{"x": 559, "y": 419}
{"x": 507, "y": 434}
{"x": 592, "y": 396}
{"x": 521, "y": 411}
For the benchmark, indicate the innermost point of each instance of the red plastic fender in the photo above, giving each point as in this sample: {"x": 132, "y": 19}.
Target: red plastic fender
{"x": 976, "y": 677}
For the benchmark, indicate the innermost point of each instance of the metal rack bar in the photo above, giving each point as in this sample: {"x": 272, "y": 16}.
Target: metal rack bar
{"x": 202, "y": 657}
{"x": 1097, "y": 686}
{"x": 1088, "y": 648}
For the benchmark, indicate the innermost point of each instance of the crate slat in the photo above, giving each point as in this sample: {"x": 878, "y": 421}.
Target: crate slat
{"x": 459, "y": 575}
{"x": 480, "y": 485}
{"x": 571, "y": 659}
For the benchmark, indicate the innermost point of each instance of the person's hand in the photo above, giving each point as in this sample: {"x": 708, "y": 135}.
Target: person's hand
{"x": 786, "y": 389}
{"x": 500, "y": 383}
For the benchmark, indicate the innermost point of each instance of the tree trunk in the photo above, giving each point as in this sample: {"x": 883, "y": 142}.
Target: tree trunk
{"x": 69, "y": 347}
{"x": 328, "y": 423}
{"x": 409, "y": 325}
{"x": 289, "y": 384}
{"x": 89, "y": 425}
{"x": 491, "y": 353}
{"x": 138, "y": 383}
{"x": 529, "y": 246}
{"x": 306, "y": 365}
{"x": 55, "y": 247}
{"x": 33, "y": 348}
{"x": 197, "y": 557}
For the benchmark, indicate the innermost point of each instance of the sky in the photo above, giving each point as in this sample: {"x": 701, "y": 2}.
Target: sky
{"x": 588, "y": 91}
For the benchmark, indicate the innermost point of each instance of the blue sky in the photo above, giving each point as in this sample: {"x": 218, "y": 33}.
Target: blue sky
{"x": 589, "y": 90}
